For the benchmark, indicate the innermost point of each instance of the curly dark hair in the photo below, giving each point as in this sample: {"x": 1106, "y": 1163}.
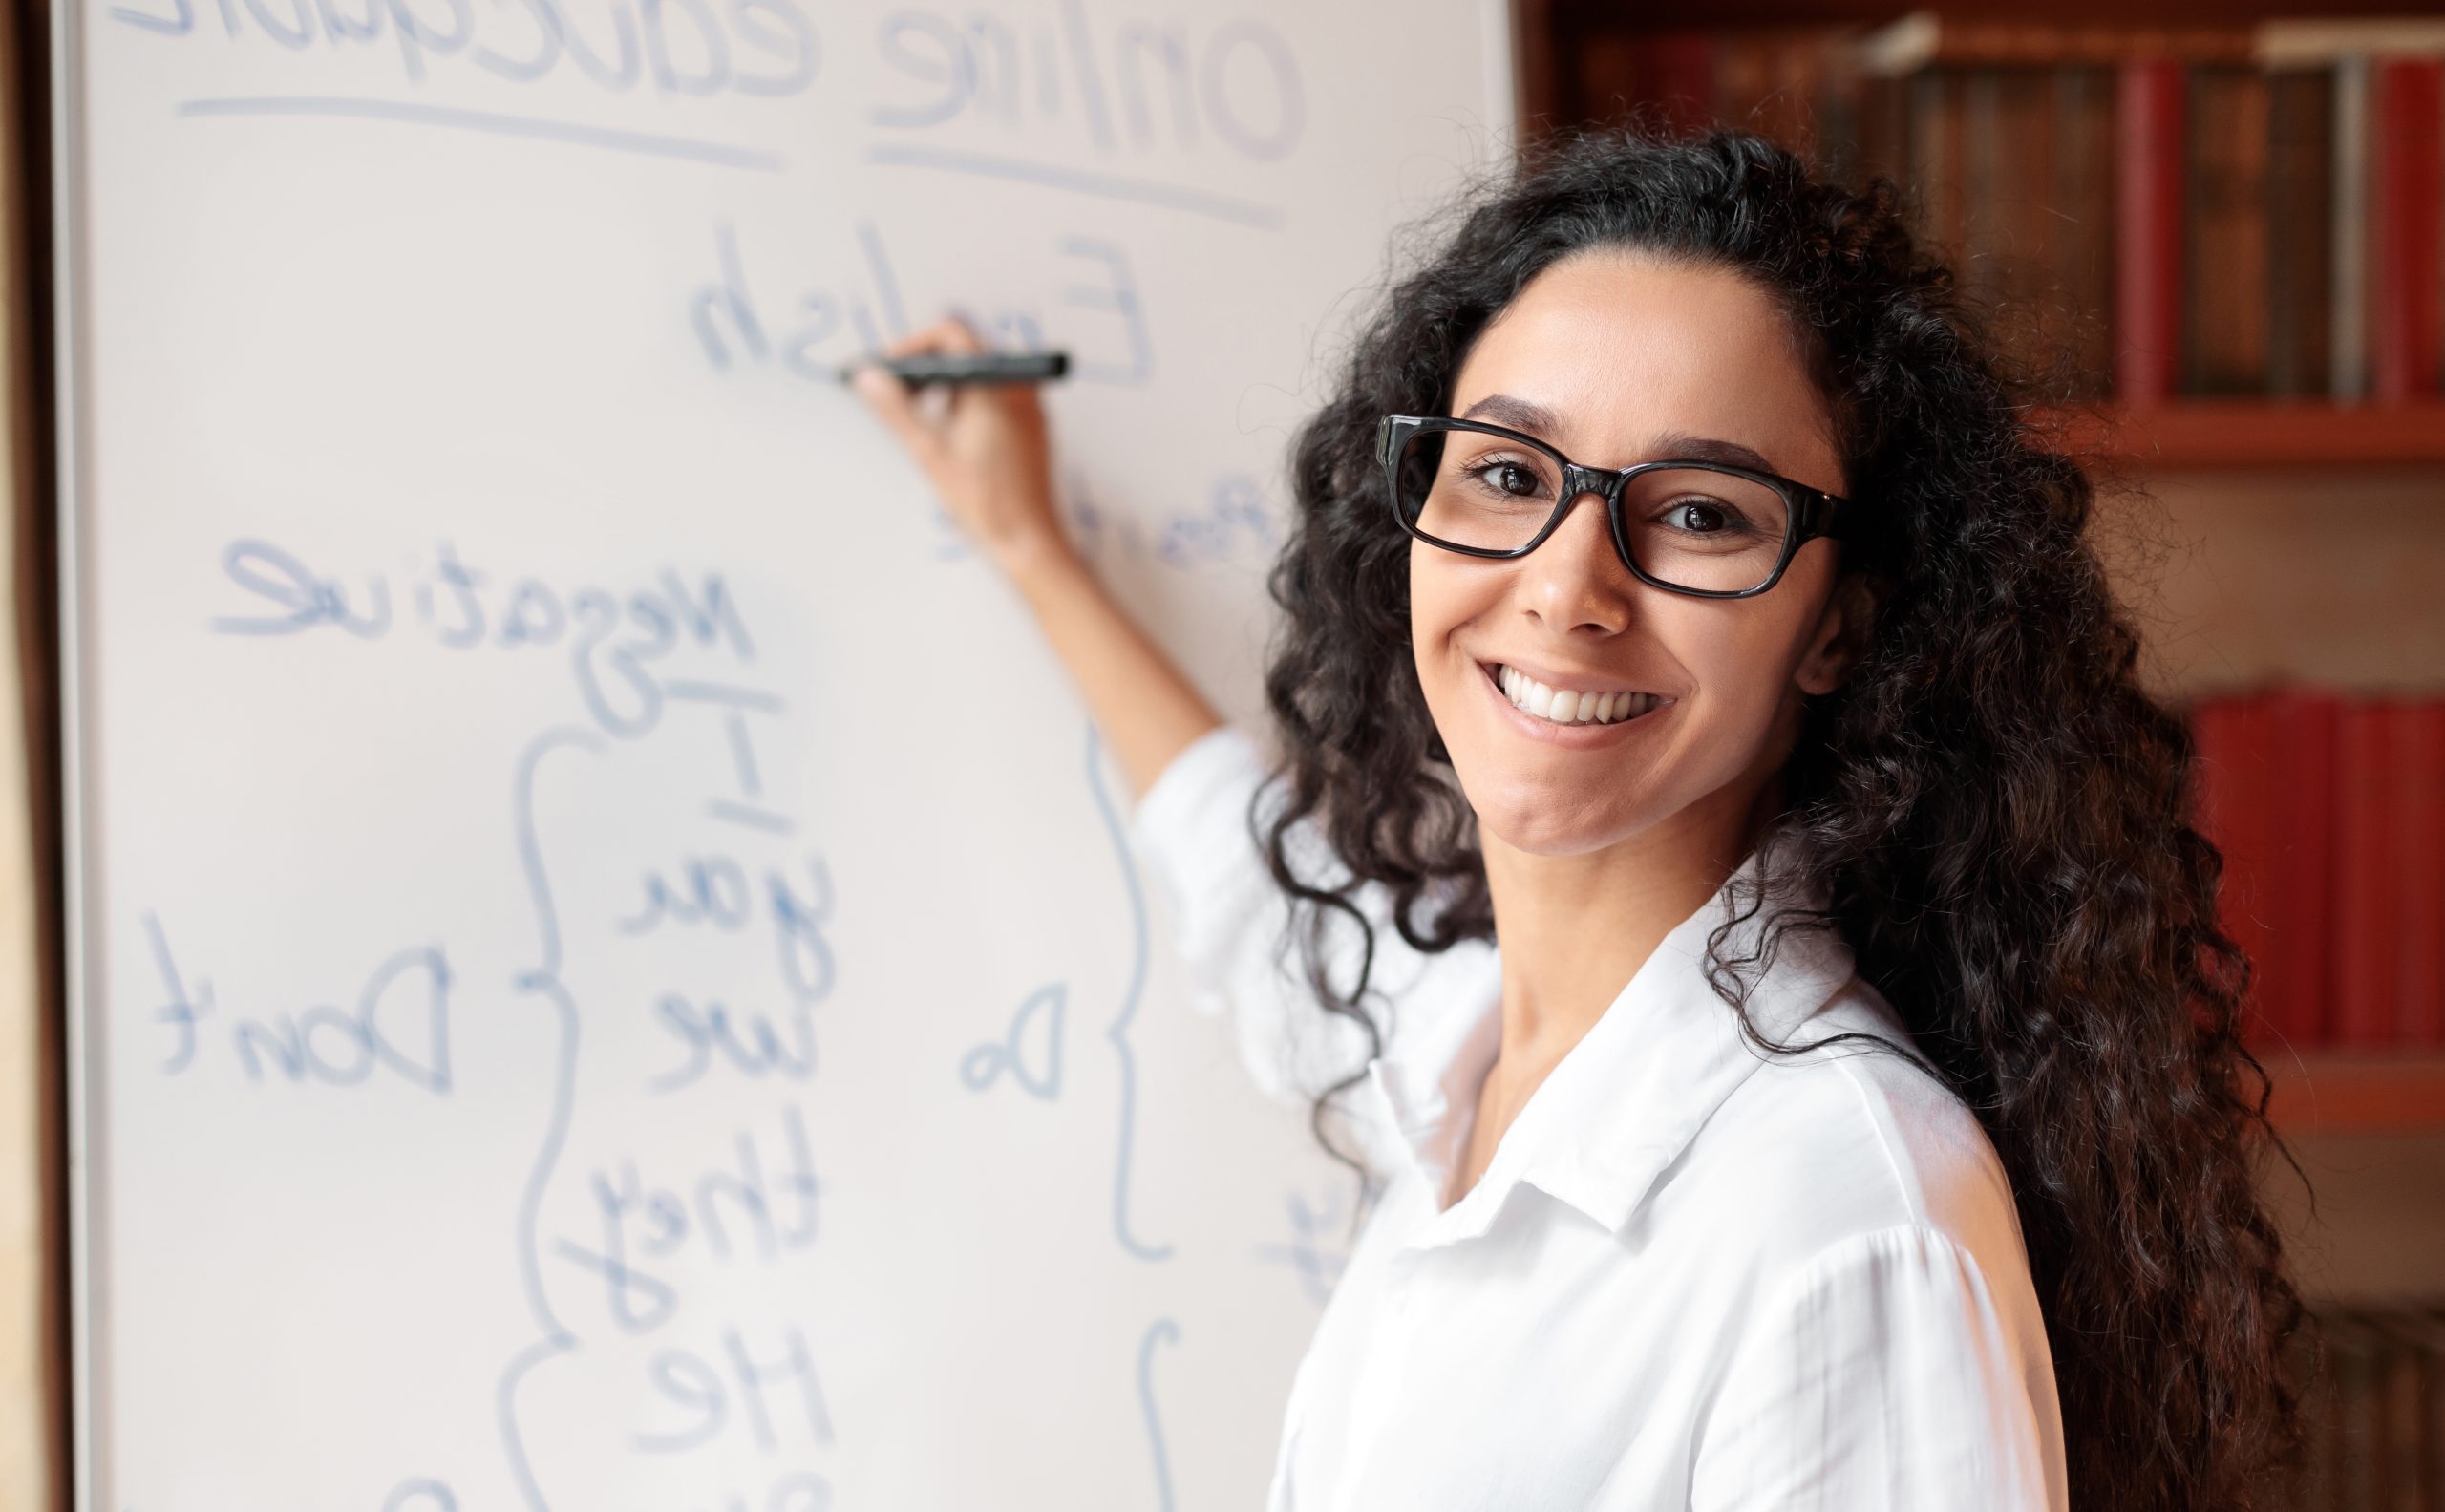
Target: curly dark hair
{"x": 1998, "y": 814}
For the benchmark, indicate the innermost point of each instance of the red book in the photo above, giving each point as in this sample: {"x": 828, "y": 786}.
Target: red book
{"x": 2408, "y": 158}
{"x": 2230, "y": 744}
{"x": 2301, "y": 891}
{"x": 2225, "y": 335}
{"x": 2419, "y": 893}
{"x": 2148, "y": 252}
{"x": 2361, "y": 963}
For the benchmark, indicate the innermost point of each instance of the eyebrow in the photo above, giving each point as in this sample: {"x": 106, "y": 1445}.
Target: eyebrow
{"x": 1681, "y": 447}
{"x": 1517, "y": 413}
{"x": 1520, "y": 415}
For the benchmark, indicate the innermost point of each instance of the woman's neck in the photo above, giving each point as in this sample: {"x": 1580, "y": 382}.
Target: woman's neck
{"x": 1574, "y": 929}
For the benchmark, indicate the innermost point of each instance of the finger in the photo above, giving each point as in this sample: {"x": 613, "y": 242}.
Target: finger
{"x": 950, "y": 334}
{"x": 893, "y": 402}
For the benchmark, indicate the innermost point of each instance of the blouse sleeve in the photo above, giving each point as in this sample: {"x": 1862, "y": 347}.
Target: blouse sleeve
{"x": 1885, "y": 1376}
{"x": 1230, "y": 921}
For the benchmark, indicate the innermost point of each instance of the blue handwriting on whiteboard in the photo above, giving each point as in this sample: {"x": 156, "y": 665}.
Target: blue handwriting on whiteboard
{"x": 1163, "y": 1330}
{"x": 700, "y": 1392}
{"x": 1098, "y": 314}
{"x": 770, "y": 1212}
{"x": 689, "y": 48}
{"x": 1309, "y": 1252}
{"x": 713, "y": 891}
{"x": 751, "y": 1042}
{"x": 612, "y": 637}
{"x": 1142, "y": 85}
{"x": 335, "y": 1046}
{"x": 1235, "y": 518}
{"x": 1030, "y": 1055}
{"x": 1116, "y": 1033}
{"x": 422, "y": 1494}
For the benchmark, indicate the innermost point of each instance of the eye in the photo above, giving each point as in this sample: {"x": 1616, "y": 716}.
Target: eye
{"x": 1704, "y": 516}
{"x": 1510, "y": 479}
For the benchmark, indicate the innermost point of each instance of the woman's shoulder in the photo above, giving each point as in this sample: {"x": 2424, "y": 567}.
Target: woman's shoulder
{"x": 1853, "y": 1139}
{"x": 1196, "y": 829}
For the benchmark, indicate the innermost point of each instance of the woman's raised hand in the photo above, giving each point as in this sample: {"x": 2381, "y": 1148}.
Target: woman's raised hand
{"x": 984, "y": 445}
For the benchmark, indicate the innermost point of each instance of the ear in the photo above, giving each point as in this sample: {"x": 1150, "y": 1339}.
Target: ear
{"x": 1842, "y": 635}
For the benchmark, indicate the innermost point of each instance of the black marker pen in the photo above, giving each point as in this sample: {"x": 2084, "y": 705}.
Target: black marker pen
{"x": 968, "y": 367}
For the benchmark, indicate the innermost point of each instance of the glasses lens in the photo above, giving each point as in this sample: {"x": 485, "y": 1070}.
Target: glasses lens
{"x": 1689, "y": 526}
{"x": 1466, "y": 488}
{"x": 1696, "y": 528}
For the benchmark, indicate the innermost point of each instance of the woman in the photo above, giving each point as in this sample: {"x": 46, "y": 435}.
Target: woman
{"x": 1851, "y": 1116}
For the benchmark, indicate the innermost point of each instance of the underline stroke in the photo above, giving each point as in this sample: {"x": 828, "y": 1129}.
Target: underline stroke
{"x": 570, "y": 133}
{"x": 1108, "y": 185}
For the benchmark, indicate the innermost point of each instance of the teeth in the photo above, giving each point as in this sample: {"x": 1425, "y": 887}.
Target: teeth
{"x": 1569, "y": 706}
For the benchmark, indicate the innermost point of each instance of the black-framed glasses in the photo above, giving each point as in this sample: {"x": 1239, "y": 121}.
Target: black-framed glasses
{"x": 1710, "y": 529}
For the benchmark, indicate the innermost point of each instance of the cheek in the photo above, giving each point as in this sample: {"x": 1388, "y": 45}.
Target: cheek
{"x": 1441, "y": 600}
{"x": 1742, "y": 666}
{"x": 1426, "y": 592}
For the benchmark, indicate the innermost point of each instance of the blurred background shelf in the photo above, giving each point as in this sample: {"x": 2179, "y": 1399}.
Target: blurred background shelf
{"x": 2264, "y": 432}
{"x": 2223, "y": 221}
{"x": 2372, "y": 1091}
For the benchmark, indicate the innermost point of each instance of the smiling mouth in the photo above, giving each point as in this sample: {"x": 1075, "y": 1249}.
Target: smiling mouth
{"x": 1569, "y": 706}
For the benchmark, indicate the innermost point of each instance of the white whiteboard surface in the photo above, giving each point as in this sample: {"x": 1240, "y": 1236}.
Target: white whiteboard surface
{"x": 604, "y": 972}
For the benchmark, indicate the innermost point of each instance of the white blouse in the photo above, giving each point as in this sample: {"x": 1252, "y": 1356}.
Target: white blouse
{"x": 1691, "y": 1277}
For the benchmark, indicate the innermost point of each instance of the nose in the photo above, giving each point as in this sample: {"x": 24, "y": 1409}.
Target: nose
{"x": 1576, "y": 576}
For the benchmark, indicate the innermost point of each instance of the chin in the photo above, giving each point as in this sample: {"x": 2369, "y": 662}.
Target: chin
{"x": 1531, "y": 817}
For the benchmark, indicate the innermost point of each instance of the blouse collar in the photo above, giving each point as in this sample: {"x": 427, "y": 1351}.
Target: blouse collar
{"x": 1624, "y": 1102}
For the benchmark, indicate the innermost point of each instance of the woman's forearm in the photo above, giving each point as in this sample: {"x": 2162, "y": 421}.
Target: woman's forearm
{"x": 989, "y": 454}
{"x": 1141, "y": 701}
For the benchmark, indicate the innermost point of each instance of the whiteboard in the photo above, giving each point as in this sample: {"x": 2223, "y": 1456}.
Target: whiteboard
{"x": 605, "y": 970}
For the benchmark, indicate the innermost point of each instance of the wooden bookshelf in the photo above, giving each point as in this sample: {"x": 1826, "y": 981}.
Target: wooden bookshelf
{"x": 2266, "y": 433}
{"x": 2368, "y": 1092}
{"x": 2222, "y": 409}
{"x": 2225, "y": 215}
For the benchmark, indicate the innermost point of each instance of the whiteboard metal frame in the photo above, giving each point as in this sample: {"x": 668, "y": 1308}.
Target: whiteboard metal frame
{"x": 1505, "y": 95}
{"x": 67, "y": 440}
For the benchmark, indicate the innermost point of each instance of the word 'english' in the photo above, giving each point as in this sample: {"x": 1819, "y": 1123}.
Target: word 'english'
{"x": 1095, "y": 313}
